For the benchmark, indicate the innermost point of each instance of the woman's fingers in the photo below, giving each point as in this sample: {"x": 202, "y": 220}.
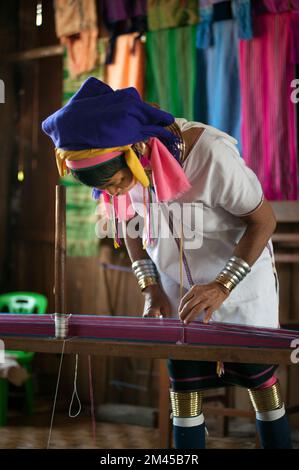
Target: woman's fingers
{"x": 194, "y": 312}
{"x": 188, "y": 296}
{"x": 208, "y": 315}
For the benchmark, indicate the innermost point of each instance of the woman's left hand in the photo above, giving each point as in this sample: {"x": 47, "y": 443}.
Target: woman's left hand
{"x": 206, "y": 297}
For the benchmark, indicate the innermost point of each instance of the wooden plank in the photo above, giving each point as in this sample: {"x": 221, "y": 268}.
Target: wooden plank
{"x": 74, "y": 345}
{"x": 287, "y": 257}
{"x": 286, "y": 211}
{"x": 33, "y": 54}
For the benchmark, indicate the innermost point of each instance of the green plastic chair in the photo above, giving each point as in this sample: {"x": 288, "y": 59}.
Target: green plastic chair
{"x": 26, "y": 303}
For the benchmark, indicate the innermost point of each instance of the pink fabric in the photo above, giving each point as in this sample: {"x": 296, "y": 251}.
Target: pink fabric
{"x": 268, "y": 115}
{"x": 268, "y": 383}
{"x": 122, "y": 206}
{"x": 169, "y": 178}
{"x": 90, "y": 162}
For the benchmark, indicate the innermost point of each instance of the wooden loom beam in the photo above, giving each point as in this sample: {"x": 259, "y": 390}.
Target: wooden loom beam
{"x": 76, "y": 345}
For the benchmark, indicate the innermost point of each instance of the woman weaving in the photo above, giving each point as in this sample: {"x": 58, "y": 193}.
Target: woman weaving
{"x": 134, "y": 154}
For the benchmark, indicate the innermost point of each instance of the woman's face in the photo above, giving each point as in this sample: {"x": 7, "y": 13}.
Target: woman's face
{"x": 120, "y": 183}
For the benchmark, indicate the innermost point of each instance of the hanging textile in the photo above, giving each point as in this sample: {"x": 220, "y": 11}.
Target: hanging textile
{"x": 274, "y": 6}
{"x": 76, "y": 27}
{"x": 170, "y": 76}
{"x": 122, "y": 17}
{"x": 128, "y": 66}
{"x": 217, "y": 10}
{"x": 80, "y": 207}
{"x": 280, "y": 6}
{"x": 81, "y": 219}
{"x": 217, "y": 96}
{"x": 268, "y": 114}
{"x": 171, "y": 13}
{"x": 70, "y": 84}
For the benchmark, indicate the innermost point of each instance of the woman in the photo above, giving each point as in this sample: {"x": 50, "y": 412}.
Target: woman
{"x": 135, "y": 154}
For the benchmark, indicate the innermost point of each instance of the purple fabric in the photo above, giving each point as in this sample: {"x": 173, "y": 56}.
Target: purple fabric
{"x": 149, "y": 330}
{"x": 99, "y": 117}
{"x": 120, "y": 10}
{"x": 274, "y": 6}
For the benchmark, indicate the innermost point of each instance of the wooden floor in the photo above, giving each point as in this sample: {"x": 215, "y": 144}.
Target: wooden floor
{"x": 24, "y": 432}
{"x": 76, "y": 434}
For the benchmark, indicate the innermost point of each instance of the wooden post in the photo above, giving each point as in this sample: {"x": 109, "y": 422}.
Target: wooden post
{"x": 164, "y": 407}
{"x": 60, "y": 250}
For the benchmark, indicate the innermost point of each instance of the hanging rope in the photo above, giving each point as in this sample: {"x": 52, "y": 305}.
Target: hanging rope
{"x": 75, "y": 392}
{"x": 92, "y": 410}
{"x": 55, "y": 396}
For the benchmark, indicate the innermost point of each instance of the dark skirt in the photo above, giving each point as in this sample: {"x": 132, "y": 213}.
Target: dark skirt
{"x": 200, "y": 375}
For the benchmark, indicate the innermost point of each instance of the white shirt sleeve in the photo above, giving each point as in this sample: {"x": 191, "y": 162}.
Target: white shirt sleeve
{"x": 230, "y": 183}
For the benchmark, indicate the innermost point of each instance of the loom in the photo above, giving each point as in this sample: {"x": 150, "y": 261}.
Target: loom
{"x": 157, "y": 338}
{"x": 138, "y": 337}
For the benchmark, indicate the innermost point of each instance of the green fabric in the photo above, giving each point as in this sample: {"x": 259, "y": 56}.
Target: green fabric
{"x": 171, "y": 14}
{"x": 170, "y": 70}
{"x": 80, "y": 219}
{"x": 80, "y": 207}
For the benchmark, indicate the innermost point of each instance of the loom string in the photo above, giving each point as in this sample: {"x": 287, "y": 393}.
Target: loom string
{"x": 56, "y": 393}
{"x": 75, "y": 392}
{"x": 91, "y": 396}
{"x": 145, "y": 219}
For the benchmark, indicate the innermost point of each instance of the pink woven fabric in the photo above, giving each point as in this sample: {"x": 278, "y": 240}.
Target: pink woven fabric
{"x": 268, "y": 115}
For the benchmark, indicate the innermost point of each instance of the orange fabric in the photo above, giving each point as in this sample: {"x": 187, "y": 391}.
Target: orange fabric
{"x": 82, "y": 54}
{"x": 127, "y": 68}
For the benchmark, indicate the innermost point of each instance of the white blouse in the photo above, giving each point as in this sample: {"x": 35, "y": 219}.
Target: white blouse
{"x": 223, "y": 189}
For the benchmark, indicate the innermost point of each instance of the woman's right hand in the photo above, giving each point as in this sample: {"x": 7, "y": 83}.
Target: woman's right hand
{"x": 156, "y": 302}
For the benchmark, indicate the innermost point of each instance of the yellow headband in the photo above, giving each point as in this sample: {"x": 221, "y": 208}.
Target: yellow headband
{"x": 131, "y": 160}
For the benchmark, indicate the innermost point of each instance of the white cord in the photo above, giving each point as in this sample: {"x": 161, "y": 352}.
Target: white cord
{"x": 55, "y": 396}
{"x": 75, "y": 393}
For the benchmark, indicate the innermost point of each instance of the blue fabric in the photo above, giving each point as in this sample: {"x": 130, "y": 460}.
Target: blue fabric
{"x": 241, "y": 11}
{"x": 99, "y": 117}
{"x": 217, "y": 91}
{"x": 189, "y": 438}
{"x": 274, "y": 434}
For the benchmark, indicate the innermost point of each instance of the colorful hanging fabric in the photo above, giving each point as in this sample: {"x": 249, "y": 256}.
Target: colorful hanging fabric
{"x": 80, "y": 208}
{"x": 171, "y": 13}
{"x": 76, "y": 26}
{"x": 81, "y": 220}
{"x": 170, "y": 77}
{"x": 268, "y": 114}
{"x": 128, "y": 65}
{"x": 70, "y": 84}
{"x": 280, "y": 6}
{"x": 217, "y": 96}
{"x": 216, "y": 10}
{"x": 274, "y": 6}
{"x": 122, "y": 17}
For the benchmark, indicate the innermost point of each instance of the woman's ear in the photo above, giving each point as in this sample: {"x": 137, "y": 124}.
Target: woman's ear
{"x": 141, "y": 148}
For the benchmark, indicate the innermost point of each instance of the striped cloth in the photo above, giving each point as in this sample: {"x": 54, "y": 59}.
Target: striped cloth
{"x": 268, "y": 114}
